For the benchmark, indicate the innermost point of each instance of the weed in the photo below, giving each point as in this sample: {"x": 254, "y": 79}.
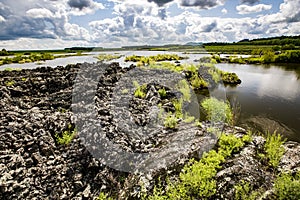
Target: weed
{"x": 229, "y": 144}
{"x": 162, "y": 92}
{"x": 216, "y": 76}
{"x": 140, "y": 91}
{"x": 125, "y": 91}
{"x": 9, "y": 83}
{"x": 184, "y": 88}
{"x": 178, "y": 108}
{"x": 103, "y": 196}
{"x": 171, "y": 121}
{"x": 198, "y": 123}
{"x": 107, "y": 57}
{"x": 274, "y": 149}
{"x": 187, "y": 118}
{"x": 191, "y": 68}
{"x": 67, "y": 136}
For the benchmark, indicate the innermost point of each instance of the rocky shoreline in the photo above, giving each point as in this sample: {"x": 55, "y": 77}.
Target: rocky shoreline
{"x": 36, "y": 106}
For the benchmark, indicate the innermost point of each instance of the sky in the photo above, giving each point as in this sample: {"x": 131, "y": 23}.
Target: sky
{"x": 57, "y": 24}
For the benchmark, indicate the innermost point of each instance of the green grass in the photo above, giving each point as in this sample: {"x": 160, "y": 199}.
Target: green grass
{"x": 235, "y": 49}
{"x": 273, "y": 148}
{"x": 157, "y": 58}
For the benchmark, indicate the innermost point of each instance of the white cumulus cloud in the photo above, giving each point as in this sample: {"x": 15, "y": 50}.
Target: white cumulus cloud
{"x": 224, "y": 11}
{"x": 245, "y": 9}
{"x": 39, "y": 13}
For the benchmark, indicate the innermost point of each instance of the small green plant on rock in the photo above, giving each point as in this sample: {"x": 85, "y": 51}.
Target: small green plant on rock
{"x": 178, "y": 108}
{"x": 103, "y": 196}
{"x": 162, "y": 92}
{"x": 197, "y": 179}
{"x": 9, "y": 83}
{"x": 244, "y": 191}
{"x": 198, "y": 82}
{"x": 125, "y": 91}
{"x": 140, "y": 91}
{"x": 184, "y": 87}
{"x": 171, "y": 121}
{"x": 274, "y": 149}
{"x": 287, "y": 186}
{"x": 66, "y": 136}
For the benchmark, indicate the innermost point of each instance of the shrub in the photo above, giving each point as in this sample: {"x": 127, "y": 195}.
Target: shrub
{"x": 217, "y": 111}
{"x": 230, "y": 78}
{"x": 274, "y": 149}
{"x": 229, "y": 144}
{"x": 268, "y": 56}
{"x": 287, "y": 187}
{"x": 196, "y": 180}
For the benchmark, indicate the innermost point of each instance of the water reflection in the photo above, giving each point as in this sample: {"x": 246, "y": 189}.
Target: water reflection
{"x": 269, "y": 97}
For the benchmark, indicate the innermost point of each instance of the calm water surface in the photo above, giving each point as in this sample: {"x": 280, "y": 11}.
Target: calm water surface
{"x": 268, "y": 97}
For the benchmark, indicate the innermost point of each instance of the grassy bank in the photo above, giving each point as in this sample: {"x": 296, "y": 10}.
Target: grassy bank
{"x": 261, "y": 56}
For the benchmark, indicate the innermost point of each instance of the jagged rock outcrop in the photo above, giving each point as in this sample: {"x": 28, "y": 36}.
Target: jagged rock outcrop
{"x": 39, "y": 104}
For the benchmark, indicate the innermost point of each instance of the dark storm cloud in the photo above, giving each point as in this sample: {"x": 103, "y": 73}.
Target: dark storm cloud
{"x": 294, "y": 18}
{"x": 191, "y": 3}
{"x": 250, "y": 2}
{"x": 80, "y": 4}
{"x": 24, "y": 27}
{"x": 160, "y": 2}
{"x": 205, "y": 4}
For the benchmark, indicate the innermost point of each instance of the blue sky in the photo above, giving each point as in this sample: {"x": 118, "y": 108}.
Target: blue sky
{"x": 48, "y": 24}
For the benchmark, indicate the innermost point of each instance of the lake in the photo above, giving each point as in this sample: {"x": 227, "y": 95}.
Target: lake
{"x": 91, "y": 58}
{"x": 268, "y": 97}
